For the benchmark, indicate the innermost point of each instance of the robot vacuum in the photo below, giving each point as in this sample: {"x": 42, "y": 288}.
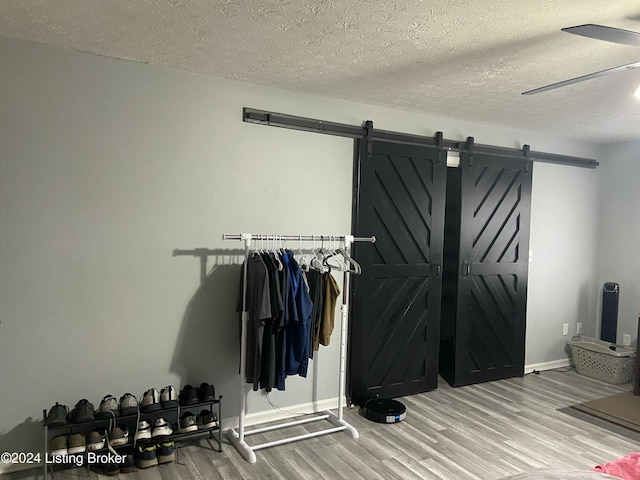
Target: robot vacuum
{"x": 384, "y": 410}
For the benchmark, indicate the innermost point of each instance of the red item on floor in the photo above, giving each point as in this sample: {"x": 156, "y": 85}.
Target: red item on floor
{"x": 627, "y": 467}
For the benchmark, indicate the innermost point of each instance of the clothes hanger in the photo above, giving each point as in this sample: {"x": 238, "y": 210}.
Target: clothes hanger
{"x": 325, "y": 258}
{"x": 276, "y": 255}
{"x": 317, "y": 260}
{"x": 335, "y": 255}
{"x": 304, "y": 265}
{"x": 325, "y": 265}
{"x": 357, "y": 269}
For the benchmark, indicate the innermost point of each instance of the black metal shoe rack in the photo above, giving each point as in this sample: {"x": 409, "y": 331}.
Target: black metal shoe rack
{"x": 171, "y": 415}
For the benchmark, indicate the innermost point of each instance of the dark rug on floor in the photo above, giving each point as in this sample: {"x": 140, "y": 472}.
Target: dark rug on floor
{"x": 619, "y": 413}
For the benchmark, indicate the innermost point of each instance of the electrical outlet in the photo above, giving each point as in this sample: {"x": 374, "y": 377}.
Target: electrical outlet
{"x": 578, "y": 328}
{"x": 565, "y": 329}
{"x": 626, "y": 339}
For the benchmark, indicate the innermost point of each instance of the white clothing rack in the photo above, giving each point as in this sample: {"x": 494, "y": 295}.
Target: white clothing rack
{"x": 339, "y": 424}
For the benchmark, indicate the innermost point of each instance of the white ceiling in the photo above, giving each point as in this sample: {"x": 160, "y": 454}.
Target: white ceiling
{"x": 456, "y": 58}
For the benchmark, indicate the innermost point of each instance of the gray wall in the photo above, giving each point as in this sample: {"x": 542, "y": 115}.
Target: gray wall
{"x": 107, "y": 166}
{"x": 562, "y": 272}
{"x": 620, "y": 232}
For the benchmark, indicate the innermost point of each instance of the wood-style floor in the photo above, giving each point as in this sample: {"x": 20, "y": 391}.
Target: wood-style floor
{"x": 481, "y": 432}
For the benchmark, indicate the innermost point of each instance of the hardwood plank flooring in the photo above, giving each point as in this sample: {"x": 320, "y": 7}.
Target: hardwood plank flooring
{"x": 479, "y": 432}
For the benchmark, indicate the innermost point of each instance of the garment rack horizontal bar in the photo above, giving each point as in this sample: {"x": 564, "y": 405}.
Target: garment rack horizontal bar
{"x": 300, "y": 238}
{"x": 293, "y": 122}
{"x": 285, "y": 425}
{"x": 298, "y": 437}
{"x": 247, "y": 450}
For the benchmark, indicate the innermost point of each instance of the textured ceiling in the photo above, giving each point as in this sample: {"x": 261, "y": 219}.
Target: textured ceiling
{"x": 455, "y": 58}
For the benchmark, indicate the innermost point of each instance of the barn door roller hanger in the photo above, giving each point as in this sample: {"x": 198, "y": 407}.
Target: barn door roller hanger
{"x": 367, "y": 132}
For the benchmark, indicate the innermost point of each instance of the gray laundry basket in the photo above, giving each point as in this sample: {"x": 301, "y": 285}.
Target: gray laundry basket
{"x": 602, "y": 360}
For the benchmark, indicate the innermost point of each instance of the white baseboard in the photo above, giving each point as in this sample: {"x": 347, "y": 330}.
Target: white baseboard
{"x": 540, "y": 367}
{"x": 272, "y": 414}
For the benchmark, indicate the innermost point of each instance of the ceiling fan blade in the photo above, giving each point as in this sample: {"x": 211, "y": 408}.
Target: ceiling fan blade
{"x": 582, "y": 78}
{"x": 608, "y": 34}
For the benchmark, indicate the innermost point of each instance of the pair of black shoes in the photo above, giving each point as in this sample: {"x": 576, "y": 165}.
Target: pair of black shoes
{"x": 191, "y": 396}
{"x": 202, "y": 421}
{"x": 60, "y": 415}
{"x": 82, "y": 412}
{"x": 150, "y": 454}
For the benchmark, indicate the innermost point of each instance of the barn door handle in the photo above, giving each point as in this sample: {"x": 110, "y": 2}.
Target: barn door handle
{"x": 436, "y": 269}
{"x": 467, "y": 268}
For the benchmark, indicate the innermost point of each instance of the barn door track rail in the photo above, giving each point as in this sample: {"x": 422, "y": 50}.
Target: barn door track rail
{"x": 366, "y": 131}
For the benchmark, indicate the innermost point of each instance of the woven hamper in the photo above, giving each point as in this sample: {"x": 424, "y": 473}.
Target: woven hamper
{"x": 605, "y": 361}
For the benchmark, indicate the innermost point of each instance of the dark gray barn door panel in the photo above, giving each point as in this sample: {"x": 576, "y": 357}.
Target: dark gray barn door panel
{"x": 395, "y": 315}
{"x": 486, "y": 268}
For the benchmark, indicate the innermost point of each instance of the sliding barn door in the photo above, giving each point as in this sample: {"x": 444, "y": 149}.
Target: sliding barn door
{"x": 486, "y": 267}
{"x": 395, "y": 314}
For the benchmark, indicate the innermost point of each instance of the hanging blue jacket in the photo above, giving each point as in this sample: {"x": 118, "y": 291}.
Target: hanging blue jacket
{"x": 297, "y": 359}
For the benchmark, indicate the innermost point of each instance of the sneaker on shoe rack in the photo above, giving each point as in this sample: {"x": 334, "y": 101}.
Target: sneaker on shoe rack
{"x": 57, "y": 415}
{"x": 119, "y": 436}
{"x": 168, "y": 397}
{"x": 95, "y": 440}
{"x": 128, "y": 464}
{"x": 206, "y": 419}
{"x": 161, "y": 428}
{"x": 206, "y": 393}
{"x": 188, "y": 422}
{"x": 188, "y": 396}
{"x": 128, "y": 405}
{"x": 58, "y": 446}
{"x": 110, "y": 469}
{"x": 76, "y": 443}
{"x": 150, "y": 401}
{"x": 108, "y": 408}
{"x": 143, "y": 432}
{"x": 145, "y": 455}
{"x": 166, "y": 451}
{"x": 83, "y": 412}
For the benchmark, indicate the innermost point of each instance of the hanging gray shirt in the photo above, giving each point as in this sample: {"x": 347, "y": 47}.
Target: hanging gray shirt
{"x": 259, "y": 308}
